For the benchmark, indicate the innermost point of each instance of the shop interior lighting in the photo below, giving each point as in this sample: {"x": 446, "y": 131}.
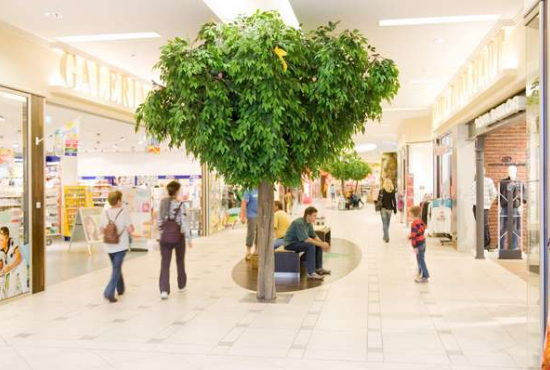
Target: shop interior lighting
{"x": 439, "y": 41}
{"x": 438, "y": 20}
{"x": 365, "y": 148}
{"x": 15, "y": 145}
{"x": 228, "y": 11}
{"x": 109, "y": 37}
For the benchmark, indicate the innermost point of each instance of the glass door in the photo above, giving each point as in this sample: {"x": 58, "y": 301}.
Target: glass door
{"x": 534, "y": 149}
{"x": 14, "y": 232}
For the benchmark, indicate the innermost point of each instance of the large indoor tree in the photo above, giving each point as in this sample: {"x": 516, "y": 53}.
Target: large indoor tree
{"x": 349, "y": 166}
{"x": 261, "y": 102}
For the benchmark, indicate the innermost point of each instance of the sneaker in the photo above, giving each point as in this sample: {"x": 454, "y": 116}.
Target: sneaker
{"x": 163, "y": 295}
{"x": 111, "y": 299}
{"x": 182, "y": 290}
{"x": 323, "y": 271}
{"x": 315, "y": 276}
{"x": 421, "y": 280}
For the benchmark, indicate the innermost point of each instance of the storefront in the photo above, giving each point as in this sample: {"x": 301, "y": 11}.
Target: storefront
{"x": 492, "y": 111}
{"x": 66, "y": 143}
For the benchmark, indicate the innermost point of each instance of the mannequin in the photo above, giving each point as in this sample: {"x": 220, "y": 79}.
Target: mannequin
{"x": 512, "y": 197}
{"x": 489, "y": 196}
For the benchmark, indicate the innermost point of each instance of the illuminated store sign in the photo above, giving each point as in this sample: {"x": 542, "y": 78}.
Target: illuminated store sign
{"x": 478, "y": 75}
{"x": 99, "y": 82}
{"x": 505, "y": 110}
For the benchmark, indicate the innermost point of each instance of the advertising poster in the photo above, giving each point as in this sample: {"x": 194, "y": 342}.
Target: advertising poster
{"x": 153, "y": 146}
{"x": 6, "y": 162}
{"x": 14, "y": 256}
{"x": 70, "y": 139}
{"x": 91, "y": 220}
{"x": 410, "y": 194}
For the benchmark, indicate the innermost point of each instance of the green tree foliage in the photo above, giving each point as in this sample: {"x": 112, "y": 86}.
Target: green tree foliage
{"x": 229, "y": 100}
{"x": 261, "y": 102}
{"x": 349, "y": 166}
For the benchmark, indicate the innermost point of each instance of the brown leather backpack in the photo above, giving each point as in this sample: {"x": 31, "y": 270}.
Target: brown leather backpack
{"x": 110, "y": 233}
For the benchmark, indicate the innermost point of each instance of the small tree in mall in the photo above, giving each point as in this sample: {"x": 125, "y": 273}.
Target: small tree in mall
{"x": 261, "y": 102}
{"x": 349, "y": 166}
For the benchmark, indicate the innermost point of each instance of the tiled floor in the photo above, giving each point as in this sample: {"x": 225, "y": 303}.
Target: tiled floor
{"x": 470, "y": 316}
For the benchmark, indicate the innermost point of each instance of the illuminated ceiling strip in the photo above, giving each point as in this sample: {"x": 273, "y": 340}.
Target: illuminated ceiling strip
{"x": 228, "y": 11}
{"x": 438, "y": 20}
{"x": 109, "y": 37}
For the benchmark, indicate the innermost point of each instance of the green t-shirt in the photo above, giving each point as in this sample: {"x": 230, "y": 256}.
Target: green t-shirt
{"x": 299, "y": 231}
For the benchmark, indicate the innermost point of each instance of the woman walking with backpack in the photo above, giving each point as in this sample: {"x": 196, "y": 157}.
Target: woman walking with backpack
{"x": 116, "y": 227}
{"x": 174, "y": 233}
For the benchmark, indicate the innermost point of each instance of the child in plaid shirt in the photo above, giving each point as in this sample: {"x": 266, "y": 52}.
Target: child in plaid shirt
{"x": 418, "y": 242}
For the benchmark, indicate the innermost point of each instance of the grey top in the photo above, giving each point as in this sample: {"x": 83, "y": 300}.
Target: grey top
{"x": 168, "y": 208}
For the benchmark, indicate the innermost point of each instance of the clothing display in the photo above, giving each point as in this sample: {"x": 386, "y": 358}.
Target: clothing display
{"x": 511, "y": 197}
{"x": 441, "y": 214}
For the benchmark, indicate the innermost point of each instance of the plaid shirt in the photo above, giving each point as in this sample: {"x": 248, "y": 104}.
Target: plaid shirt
{"x": 417, "y": 232}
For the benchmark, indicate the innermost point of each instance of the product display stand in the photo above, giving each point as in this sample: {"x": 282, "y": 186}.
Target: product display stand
{"x": 86, "y": 227}
{"x": 509, "y": 223}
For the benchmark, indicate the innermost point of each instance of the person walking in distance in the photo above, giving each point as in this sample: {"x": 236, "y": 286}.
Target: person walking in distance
{"x": 418, "y": 241}
{"x": 116, "y": 226}
{"x": 289, "y": 201}
{"x": 174, "y": 234}
{"x": 249, "y": 215}
{"x": 388, "y": 205}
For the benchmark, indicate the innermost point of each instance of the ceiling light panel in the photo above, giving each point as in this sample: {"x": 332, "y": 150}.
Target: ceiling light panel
{"x": 109, "y": 37}
{"x": 228, "y": 11}
{"x": 438, "y": 20}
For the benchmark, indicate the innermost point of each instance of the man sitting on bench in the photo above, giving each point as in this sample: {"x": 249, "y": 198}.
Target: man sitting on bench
{"x": 281, "y": 222}
{"x": 301, "y": 237}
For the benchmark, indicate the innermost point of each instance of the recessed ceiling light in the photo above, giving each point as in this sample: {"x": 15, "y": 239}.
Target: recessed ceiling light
{"x": 122, "y": 138}
{"x": 365, "y": 148}
{"x": 140, "y": 142}
{"x": 54, "y": 15}
{"x": 439, "y": 41}
{"x": 15, "y": 145}
{"x": 2, "y": 119}
{"x": 109, "y": 37}
{"x": 438, "y": 20}
{"x": 228, "y": 11}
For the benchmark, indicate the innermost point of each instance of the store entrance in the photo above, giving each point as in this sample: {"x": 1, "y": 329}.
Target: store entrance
{"x": 87, "y": 157}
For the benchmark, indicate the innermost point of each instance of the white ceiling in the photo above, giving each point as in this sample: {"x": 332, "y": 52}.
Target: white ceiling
{"x": 426, "y": 67}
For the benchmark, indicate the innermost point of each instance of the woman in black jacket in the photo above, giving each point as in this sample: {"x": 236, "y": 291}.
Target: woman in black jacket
{"x": 388, "y": 204}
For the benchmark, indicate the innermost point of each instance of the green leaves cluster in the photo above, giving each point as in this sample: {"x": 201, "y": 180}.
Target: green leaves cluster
{"x": 228, "y": 100}
{"x": 349, "y": 166}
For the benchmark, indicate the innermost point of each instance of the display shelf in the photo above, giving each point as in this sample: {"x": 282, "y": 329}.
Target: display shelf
{"x": 74, "y": 197}
{"x": 53, "y": 196}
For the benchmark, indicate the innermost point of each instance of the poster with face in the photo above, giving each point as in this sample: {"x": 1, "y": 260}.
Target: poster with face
{"x": 14, "y": 256}
{"x": 91, "y": 221}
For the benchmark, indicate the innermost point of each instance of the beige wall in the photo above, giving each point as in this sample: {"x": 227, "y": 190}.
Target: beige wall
{"x": 508, "y": 85}
{"x": 29, "y": 64}
{"x": 414, "y": 130}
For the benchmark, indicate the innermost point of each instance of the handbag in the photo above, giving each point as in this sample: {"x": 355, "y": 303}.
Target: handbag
{"x": 378, "y": 202}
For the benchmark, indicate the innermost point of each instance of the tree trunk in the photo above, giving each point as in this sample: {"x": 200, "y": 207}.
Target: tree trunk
{"x": 266, "y": 265}
{"x": 356, "y": 186}
{"x": 343, "y": 189}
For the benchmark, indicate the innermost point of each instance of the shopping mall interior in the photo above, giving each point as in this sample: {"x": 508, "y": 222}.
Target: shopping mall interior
{"x": 471, "y": 103}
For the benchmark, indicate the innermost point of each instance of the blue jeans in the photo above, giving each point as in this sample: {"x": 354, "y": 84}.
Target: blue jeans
{"x": 116, "y": 282}
{"x": 313, "y": 255}
{"x": 385, "y": 214}
{"x": 421, "y": 260}
{"x": 516, "y": 228}
{"x": 278, "y": 242}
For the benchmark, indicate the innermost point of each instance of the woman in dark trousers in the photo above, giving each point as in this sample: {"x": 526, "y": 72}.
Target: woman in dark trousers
{"x": 172, "y": 212}
{"x": 386, "y": 199}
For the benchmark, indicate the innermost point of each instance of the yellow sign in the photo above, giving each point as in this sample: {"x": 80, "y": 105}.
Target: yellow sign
{"x": 101, "y": 82}
{"x": 281, "y": 53}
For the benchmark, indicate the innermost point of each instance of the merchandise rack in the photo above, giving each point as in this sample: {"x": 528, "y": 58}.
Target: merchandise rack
{"x": 74, "y": 198}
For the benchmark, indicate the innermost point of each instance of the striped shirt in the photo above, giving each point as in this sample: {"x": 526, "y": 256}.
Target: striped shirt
{"x": 417, "y": 232}
{"x": 489, "y": 193}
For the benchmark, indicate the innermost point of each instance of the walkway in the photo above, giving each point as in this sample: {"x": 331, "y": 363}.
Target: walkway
{"x": 470, "y": 316}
